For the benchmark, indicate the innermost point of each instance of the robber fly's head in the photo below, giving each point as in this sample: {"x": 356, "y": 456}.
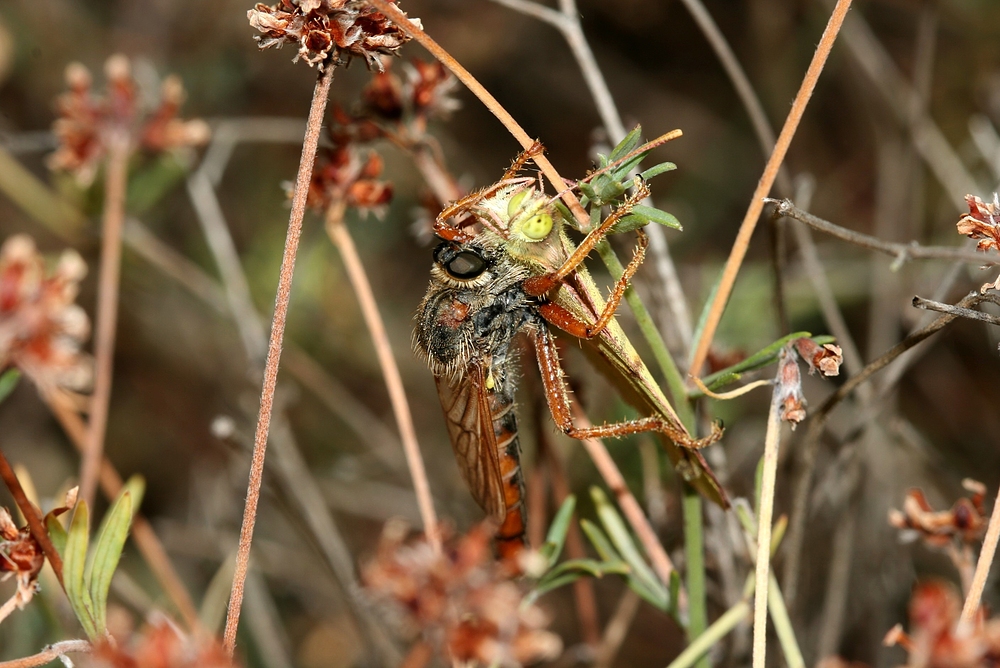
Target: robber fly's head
{"x": 463, "y": 264}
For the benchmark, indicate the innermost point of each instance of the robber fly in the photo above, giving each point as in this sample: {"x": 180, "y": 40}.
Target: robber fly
{"x": 517, "y": 272}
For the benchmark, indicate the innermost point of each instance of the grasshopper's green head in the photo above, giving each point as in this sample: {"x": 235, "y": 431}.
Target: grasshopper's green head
{"x": 531, "y": 214}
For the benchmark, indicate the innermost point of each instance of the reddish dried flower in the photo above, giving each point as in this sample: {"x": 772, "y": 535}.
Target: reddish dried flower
{"x": 460, "y": 600}
{"x": 22, "y": 557}
{"x": 789, "y": 380}
{"x": 86, "y": 120}
{"x": 340, "y": 176}
{"x": 826, "y": 358}
{"x": 936, "y": 640}
{"x": 383, "y": 96}
{"x": 161, "y": 645}
{"x": 328, "y": 31}
{"x": 966, "y": 520}
{"x": 430, "y": 86}
{"x": 983, "y": 223}
{"x": 41, "y": 328}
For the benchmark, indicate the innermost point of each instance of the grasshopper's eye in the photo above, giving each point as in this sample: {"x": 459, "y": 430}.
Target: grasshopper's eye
{"x": 537, "y": 227}
{"x": 466, "y": 265}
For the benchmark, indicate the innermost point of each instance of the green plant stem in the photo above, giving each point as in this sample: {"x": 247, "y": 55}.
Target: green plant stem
{"x": 713, "y": 634}
{"x": 694, "y": 551}
{"x": 672, "y": 374}
{"x": 783, "y": 625}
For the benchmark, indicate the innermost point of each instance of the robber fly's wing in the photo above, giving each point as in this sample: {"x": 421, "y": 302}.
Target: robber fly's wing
{"x": 470, "y": 425}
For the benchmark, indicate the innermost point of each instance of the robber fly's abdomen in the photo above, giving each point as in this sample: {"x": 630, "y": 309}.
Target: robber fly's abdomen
{"x": 510, "y": 535}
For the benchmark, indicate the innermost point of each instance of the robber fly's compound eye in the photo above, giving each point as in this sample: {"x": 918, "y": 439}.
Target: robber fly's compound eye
{"x": 466, "y": 265}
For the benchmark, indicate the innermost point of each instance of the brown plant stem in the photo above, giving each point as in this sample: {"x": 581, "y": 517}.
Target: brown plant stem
{"x": 490, "y": 102}
{"x": 341, "y": 238}
{"x": 983, "y": 565}
{"x": 35, "y": 525}
{"x": 630, "y": 507}
{"x": 145, "y": 538}
{"x": 742, "y": 242}
{"x": 106, "y": 319}
{"x": 971, "y": 314}
{"x": 910, "y": 251}
{"x": 49, "y": 654}
{"x": 309, "y": 145}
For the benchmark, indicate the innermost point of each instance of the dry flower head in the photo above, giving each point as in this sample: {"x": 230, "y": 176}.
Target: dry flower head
{"x": 825, "y": 358}
{"x": 328, "y": 32}
{"x": 87, "y": 121}
{"x": 937, "y": 639}
{"x": 965, "y": 521}
{"x": 460, "y": 600}
{"x": 159, "y": 645}
{"x": 42, "y": 329}
{"x": 982, "y": 223}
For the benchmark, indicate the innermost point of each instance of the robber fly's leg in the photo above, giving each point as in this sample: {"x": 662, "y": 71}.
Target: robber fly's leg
{"x": 539, "y": 285}
{"x": 566, "y": 321}
{"x": 557, "y": 398}
{"x": 522, "y": 159}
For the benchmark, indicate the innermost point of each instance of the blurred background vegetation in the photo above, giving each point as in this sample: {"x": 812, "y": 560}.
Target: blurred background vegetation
{"x": 185, "y": 396}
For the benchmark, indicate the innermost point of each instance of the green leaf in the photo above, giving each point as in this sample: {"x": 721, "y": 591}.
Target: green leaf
{"x": 675, "y": 591}
{"x": 627, "y": 145}
{"x": 574, "y": 569}
{"x": 622, "y": 540}
{"x": 73, "y": 570}
{"x": 656, "y": 170}
{"x": 57, "y": 534}
{"x": 8, "y": 381}
{"x": 599, "y": 541}
{"x": 108, "y": 548}
{"x": 556, "y": 537}
{"x": 643, "y": 215}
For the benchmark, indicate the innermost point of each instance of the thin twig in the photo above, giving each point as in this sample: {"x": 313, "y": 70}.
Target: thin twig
{"x": 817, "y": 421}
{"x": 969, "y": 313}
{"x": 902, "y": 252}
{"x": 983, "y": 565}
{"x": 49, "y": 654}
{"x": 630, "y": 507}
{"x": 303, "y": 178}
{"x": 107, "y": 313}
{"x": 764, "y": 186}
{"x": 35, "y": 525}
{"x": 772, "y": 440}
{"x": 341, "y": 238}
{"x": 145, "y": 538}
{"x": 617, "y": 628}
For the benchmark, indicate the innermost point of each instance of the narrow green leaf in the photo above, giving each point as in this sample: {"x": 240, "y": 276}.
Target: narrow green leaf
{"x": 546, "y": 585}
{"x": 675, "y": 590}
{"x": 556, "y": 537}
{"x": 57, "y": 534}
{"x": 109, "y": 545}
{"x": 622, "y": 171}
{"x": 73, "y": 570}
{"x": 759, "y": 359}
{"x": 622, "y": 540}
{"x": 599, "y": 541}
{"x": 657, "y": 216}
{"x": 656, "y": 170}
{"x": 658, "y": 598}
{"x": 8, "y": 381}
{"x": 627, "y": 145}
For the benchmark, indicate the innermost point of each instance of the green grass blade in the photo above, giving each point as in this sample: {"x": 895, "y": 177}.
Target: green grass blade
{"x": 556, "y": 538}
{"x": 622, "y": 540}
{"x": 57, "y": 534}
{"x": 74, "y": 566}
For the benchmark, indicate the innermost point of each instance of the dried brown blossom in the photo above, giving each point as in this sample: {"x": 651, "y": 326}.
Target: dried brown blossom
{"x": 792, "y": 403}
{"x": 160, "y": 645}
{"x": 22, "y": 557}
{"x": 41, "y": 328}
{"x": 426, "y": 92}
{"x": 966, "y": 521}
{"x": 982, "y": 223}
{"x": 459, "y": 600}
{"x": 826, "y": 358}
{"x": 342, "y": 176}
{"x": 328, "y": 32}
{"x": 87, "y": 120}
{"x": 937, "y": 640}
